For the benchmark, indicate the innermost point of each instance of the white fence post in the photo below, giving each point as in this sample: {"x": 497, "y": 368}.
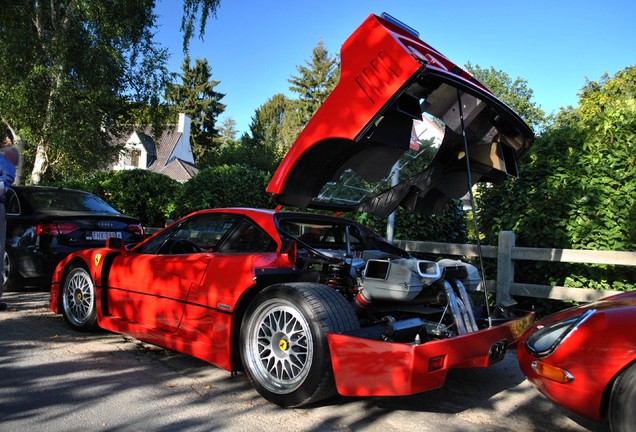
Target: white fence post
{"x": 505, "y": 268}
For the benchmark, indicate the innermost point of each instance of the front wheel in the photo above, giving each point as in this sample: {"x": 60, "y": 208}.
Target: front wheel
{"x": 78, "y": 299}
{"x": 622, "y": 415}
{"x": 284, "y": 341}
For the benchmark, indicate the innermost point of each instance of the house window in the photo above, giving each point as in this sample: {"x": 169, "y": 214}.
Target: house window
{"x": 132, "y": 157}
{"x": 135, "y": 155}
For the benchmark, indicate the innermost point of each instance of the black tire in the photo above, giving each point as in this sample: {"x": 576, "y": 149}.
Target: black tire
{"x": 284, "y": 341}
{"x": 11, "y": 278}
{"x": 78, "y": 299}
{"x": 622, "y": 415}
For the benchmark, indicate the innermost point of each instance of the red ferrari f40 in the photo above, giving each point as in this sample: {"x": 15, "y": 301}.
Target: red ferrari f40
{"x": 307, "y": 304}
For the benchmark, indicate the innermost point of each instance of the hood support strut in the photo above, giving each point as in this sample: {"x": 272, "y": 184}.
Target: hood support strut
{"x": 472, "y": 207}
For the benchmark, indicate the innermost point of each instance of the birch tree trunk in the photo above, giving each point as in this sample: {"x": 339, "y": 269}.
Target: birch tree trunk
{"x": 40, "y": 164}
{"x": 49, "y": 38}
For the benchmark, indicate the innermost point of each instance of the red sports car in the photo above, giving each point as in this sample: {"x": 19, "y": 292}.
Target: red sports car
{"x": 309, "y": 304}
{"x": 584, "y": 359}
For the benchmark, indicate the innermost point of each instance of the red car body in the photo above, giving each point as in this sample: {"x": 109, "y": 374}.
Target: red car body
{"x": 183, "y": 302}
{"x": 195, "y": 303}
{"x": 309, "y": 304}
{"x": 389, "y": 78}
{"x": 575, "y": 357}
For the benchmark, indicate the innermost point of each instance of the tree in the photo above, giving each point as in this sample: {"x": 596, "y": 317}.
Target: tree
{"x": 197, "y": 98}
{"x": 75, "y": 57}
{"x": 227, "y": 131}
{"x": 70, "y": 68}
{"x": 315, "y": 82}
{"x": 224, "y": 186}
{"x": 196, "y": 11}
{"x": 267, "y": 123}
{"x": 515, "y": 93}
{"x": 576, "y": 187}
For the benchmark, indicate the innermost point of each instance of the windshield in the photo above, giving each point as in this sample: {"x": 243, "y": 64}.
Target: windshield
{"x": 67, "y": 200}
{"x": 334, "y": 234}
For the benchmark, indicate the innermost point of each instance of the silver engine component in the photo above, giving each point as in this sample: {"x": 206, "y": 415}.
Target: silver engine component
{"x": 398, "y": 280}
{"x": 404, "y": 280}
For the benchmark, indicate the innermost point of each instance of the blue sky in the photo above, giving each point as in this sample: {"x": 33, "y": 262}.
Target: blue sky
{"x": 253, "y": 47}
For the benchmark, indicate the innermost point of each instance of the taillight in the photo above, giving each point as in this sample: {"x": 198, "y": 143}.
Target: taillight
{"x": 55, "y": 229}
{"x": 136, "y": 229}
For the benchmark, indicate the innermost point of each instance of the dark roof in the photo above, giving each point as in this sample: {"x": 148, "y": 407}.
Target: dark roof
{"x": 149, "y": 145}
{"x": 160, "y": 158}
{"x": 165, "y": 146}
{"x": 179, "y": 170}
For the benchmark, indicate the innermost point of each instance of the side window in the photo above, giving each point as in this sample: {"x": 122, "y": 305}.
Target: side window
{"x": 248, "y": 237}
{"x": 12, "y": 202}
{"x": 200, "y": 233}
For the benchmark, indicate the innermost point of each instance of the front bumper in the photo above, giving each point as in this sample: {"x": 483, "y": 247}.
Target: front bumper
{"x": 365, "y": 367}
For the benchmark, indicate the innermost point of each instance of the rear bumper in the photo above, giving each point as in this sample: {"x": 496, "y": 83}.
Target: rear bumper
{"x": 364, "y": 367}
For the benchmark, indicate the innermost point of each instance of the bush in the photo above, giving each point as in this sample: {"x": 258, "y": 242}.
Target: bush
{"x": 576, "y": 188}
{"x": 144, "y": 194}
{"x": 449, "y": 227}
{"x": 224, "y": 186}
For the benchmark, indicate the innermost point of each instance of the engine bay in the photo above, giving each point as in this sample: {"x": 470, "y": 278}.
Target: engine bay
{"x": 396, "y": 297}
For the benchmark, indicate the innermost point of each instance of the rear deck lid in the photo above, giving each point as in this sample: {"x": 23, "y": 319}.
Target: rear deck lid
{"x": 395, "y": 130}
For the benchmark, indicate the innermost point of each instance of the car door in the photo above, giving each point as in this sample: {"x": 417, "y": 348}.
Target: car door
{"x": 151, "y": 284}
{"x": 231, "y": 271}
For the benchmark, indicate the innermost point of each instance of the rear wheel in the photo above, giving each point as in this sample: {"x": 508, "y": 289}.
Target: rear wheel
{"x": 622, "y": 415}
{"x": 78, "y": 299}
{"x": 11, "y": 278}
{"x": 284, "y": 341}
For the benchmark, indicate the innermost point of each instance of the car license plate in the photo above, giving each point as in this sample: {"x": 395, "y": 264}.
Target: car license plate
{"x": 103, "y": 235}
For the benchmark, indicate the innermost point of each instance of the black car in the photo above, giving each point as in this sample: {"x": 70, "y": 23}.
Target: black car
{"x": 44, "y": 224}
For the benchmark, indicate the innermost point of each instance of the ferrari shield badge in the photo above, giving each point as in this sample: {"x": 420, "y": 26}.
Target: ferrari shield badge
{"x": 98, "y": 258}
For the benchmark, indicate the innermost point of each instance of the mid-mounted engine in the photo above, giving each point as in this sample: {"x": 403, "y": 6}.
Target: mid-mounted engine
{"x": 395, "y": 296}
{"x": 433, "y": 294}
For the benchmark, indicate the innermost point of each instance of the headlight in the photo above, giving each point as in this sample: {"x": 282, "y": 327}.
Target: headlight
{"x": 544, "y": 341}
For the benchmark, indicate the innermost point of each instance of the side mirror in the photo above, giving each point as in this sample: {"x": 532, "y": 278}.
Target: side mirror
{"x": 115, "y": 243}
{"x": 292, "y": 252}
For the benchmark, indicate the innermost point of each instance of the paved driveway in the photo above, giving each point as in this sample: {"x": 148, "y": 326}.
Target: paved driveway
{"x": 54, "y": 379}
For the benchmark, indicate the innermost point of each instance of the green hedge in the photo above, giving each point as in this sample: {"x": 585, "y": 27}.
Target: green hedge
{"x": 224, "y": 186}
{"x": 144, "y": 194}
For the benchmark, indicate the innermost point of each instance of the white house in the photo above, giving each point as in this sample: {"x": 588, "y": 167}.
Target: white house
{"x": 171, "y": 154}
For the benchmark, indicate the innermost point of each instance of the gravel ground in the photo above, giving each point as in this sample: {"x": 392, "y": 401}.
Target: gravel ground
{"x": 54, "y": 379}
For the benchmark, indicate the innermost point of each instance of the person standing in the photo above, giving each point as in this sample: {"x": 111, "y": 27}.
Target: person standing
{"x": 9, "y": 158}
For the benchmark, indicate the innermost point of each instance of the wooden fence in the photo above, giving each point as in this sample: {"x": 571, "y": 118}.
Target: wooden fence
{"x": 506, "y": 253}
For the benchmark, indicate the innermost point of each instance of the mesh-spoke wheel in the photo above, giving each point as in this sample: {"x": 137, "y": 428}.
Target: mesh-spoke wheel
{"x": 284, "y": 341}
{"x": 281, "y": 346}
{"x": 78, "y": 299}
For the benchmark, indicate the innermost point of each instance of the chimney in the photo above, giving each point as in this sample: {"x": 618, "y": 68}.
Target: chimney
{"x": 184, "y": 125}
{"x": 184, "y": 150}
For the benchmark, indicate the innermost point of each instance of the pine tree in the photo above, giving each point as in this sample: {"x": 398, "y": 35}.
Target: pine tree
{"x": 197, "y": 98}
{"x": 315, "y": 82}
